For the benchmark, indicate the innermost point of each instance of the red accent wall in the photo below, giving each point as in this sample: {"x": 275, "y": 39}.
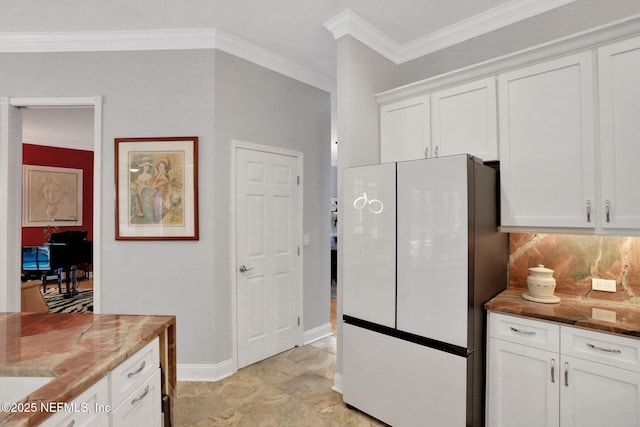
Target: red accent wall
{"x": 41, "y": 155}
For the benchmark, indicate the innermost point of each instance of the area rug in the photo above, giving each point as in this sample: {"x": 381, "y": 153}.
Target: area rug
{"x": 81, "y": 303}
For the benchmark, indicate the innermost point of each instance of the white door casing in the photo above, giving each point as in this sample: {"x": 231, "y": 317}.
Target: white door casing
{"x": 268, "y": 218}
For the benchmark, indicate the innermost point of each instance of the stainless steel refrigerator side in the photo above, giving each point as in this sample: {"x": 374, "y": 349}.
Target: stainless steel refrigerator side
{"x": 490, "y": 259}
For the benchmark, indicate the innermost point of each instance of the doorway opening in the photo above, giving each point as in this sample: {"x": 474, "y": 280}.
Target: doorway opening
{"x": 57, "y": 201}
{"x": 12, "y": 113}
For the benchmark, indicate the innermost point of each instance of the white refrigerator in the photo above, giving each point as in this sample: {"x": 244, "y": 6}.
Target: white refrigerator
{"x": 422, "y": 254}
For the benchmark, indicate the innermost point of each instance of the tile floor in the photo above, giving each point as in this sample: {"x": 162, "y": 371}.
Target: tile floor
{"x": 292, "y": 388}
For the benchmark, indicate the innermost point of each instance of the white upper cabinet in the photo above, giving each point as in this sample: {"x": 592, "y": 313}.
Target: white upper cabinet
{"x": 464, "y": 120}
{"x": 456, "y": 120}
{"x": 404, "y": 130}
{"x": 619, "y": 86}
{"x": 547, "y": 144}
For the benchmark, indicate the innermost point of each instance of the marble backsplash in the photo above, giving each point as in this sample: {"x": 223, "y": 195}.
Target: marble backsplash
{"x": 575, "y": 260}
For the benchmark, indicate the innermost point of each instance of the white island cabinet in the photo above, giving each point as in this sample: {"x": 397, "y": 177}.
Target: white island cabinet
{"x": 135, "y": 389}
{"x": 129, "y": 395}
{"x": 543, "y": 374}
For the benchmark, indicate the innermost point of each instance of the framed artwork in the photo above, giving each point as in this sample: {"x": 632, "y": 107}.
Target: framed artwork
{"x": 51, "y": 196}
{"x": 156, "y": 188}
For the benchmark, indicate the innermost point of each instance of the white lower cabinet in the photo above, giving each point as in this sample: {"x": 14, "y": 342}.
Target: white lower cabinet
{"x": 88, "y": 409}
{"x": 135, "y": 394}
{"x": 142, "y": 407}
{"x": 129, "y": 395}
{"x": 591, "y": 380}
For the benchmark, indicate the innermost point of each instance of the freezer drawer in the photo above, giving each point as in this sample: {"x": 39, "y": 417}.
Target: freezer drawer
{"x": 402, "y": 383}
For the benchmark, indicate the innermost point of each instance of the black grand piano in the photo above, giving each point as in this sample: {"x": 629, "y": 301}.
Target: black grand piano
{"x": 63, "y": 253}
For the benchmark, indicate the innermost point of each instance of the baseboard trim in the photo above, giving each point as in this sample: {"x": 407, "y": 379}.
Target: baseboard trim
{"x": 337, "y": 383}
{"x": 317, "y": 333}
{"x": 205, "y": 372}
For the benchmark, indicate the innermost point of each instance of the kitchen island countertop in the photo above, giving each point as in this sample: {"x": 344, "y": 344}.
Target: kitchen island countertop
{"x": 585, "y": 312}
{"x": 79, "y": 350}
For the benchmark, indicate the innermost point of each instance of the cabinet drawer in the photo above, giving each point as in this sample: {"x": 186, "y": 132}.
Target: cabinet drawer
{"x": 128, "y": 376}
{"x": 534, "y": 333}
{"x": 88, "y": 409}
{"x": 142, "y": 407}
{"x": 613, "y": 350}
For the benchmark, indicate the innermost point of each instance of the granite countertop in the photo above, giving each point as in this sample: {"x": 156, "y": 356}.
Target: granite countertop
{"x": 573, "y": 310}
{"x": 78, "y": 348}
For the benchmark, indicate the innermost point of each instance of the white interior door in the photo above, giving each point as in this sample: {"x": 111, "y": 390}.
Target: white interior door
{"x": 267, "y": 253}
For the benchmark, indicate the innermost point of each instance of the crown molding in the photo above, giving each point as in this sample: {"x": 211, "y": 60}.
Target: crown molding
{"x": 573, "y": 43}
{"x": 179, "y": 39}
{"x": 350, "y": 23}
{"x": 241, "y": 48}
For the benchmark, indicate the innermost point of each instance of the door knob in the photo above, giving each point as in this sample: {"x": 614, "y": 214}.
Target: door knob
{"x": 244, "y": 269}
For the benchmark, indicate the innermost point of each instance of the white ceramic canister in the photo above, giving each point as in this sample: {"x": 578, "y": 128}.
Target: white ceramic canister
{"x": 540, "y": 282}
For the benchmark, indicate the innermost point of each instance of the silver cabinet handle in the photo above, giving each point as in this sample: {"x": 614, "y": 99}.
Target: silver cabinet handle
{"x": 608, "y": 211}
{"x": 588, "y": 210}
{"x": 603, "y": 349}
{"x": 137, "y": 371}
{"x": 72, "y": 423}
{"x": 426, "y": 153}
{"x": 521, "y": 332}
{"x": 139, "y": 398}
{"x": 435, "y": 153}
{"x": 553, "y": 370}
{"x": 566, "y": 374}
{"x": 244, "y": 269}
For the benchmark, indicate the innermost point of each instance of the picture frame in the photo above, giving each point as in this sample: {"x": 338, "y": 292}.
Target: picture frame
{"x": 51, "y": 196}
{"x": 156, "y": 182}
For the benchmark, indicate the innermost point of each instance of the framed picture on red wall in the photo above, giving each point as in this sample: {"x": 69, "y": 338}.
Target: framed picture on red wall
{"x": 156, "y": 188}
{"x": 51, "y": 196}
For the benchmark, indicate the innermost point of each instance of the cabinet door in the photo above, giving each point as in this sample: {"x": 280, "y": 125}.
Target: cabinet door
{"x": 143, "y": 407}
{"x": 619, "y": 68}
{"x": 404, "y": 129}
{"x": 433, "y": 248}
{"x": 522, "y": 386}
{"x": 369, "y": 243}
{"x": 89, "y": 409}
{"x": 596, "y": 395}
{"x": 546, "y": 144}
{"x": 464, "y": 120}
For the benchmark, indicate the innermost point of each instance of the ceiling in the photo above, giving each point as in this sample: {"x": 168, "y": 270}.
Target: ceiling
{"x": 292, "y": 29}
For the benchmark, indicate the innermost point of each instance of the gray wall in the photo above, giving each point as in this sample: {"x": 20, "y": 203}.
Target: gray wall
{"x": 259, "y": 106}
{"x": 173, "y": 93}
